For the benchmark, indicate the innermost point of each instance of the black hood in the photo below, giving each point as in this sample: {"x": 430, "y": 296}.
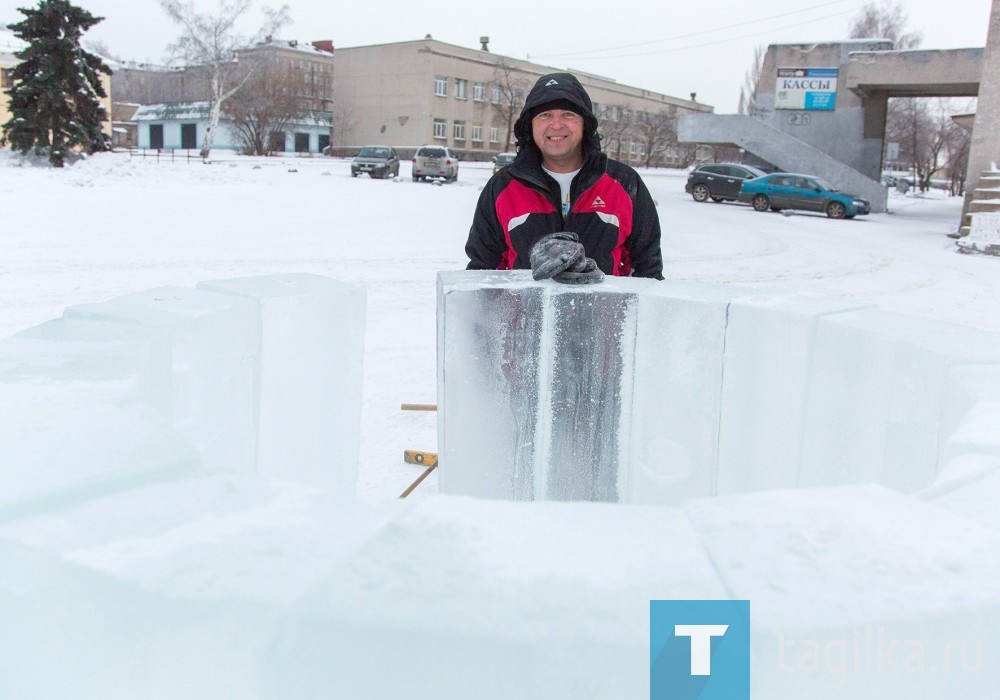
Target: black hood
{"x": 557, "y": 87}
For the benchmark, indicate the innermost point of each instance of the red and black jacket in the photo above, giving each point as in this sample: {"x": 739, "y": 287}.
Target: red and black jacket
{"x": 610, "y": 209}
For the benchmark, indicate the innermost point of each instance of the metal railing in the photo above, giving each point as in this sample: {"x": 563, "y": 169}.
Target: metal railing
{"x": 166, "y": 154}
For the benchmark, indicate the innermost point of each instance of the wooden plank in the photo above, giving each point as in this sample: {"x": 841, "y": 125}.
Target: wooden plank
{"x": 428, "y": 459}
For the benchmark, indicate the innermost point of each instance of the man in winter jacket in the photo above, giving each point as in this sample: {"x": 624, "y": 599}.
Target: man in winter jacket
{"x": 560, "y": 181}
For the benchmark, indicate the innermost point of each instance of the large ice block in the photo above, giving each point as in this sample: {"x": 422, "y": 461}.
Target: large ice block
{"x": 608, "y": 392}
{"x": 535, "y": 386}
{"x": 970, "y": 412}
{"x": 859, "y": 592}
{"x": 674, "y": 433}
{"x": 969, "y": 485}
{"x": 211, "y": 342}
{"x": 874, "y": 407}
{"x": 770, "y": 342}
{"x": 509, "y": 595}
{"x": 311, "y": 331}
{"x": 78, "y": 418}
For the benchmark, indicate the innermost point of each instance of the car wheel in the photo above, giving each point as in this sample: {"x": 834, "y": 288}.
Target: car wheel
{"x": 416, "y": 178}
{"x": 836, "y": 210}
{"x": 717, "y": 199}
{"x": 760, "y": 202}
{"x": 354, "y": 174}
{"x": 700, "y": 192}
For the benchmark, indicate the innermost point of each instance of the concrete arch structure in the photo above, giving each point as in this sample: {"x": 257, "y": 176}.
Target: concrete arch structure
{"x": 840, "y": 132}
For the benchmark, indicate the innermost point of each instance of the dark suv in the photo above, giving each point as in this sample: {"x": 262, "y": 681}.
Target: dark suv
{"x": 719, "y": 181}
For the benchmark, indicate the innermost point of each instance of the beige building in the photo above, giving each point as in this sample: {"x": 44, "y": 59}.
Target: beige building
{"x": 311, "y": 66}
{"x": 410, "y": 93}
{"x": 9, "y": 44}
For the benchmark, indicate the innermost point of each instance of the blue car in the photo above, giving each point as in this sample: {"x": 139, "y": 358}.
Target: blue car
{"x": 794, "y": 191}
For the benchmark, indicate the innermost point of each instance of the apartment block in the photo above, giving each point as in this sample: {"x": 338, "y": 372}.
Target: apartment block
{"x": 410, "y": 93}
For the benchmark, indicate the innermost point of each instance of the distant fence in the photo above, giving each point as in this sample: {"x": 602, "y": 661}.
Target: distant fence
{"x": 166, "y": 154}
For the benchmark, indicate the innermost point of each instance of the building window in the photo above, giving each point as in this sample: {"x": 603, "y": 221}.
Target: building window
{"x": 460, "y": 85}
{"x": 494, "y": 135}
{"x": 477, "y": 132}
{"x": 479, "y": 92}
{"x": 458, "y": 130}
{"x": 440, "y": 86}
{"x": 495, "y": 95}
{"x": 614, "y": 114}
{"x": 5, "y": 80}
{"x": 440, "y": 129}
{"x": 631, "y": 148}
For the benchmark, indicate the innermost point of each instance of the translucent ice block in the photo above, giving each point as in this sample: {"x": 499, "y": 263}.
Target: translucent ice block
{"x": 874, "y": 408}
{"x": 858, "y": 591}
{"x": 211, "y": 342}
{"x": 493, "y": 586}
{"x": 310, "y": 364}
{"x": 768, "y": 371}
{"x": 534, "y": 381}
{"x": 76, "y": 419}
{"x": 674, "y": 431}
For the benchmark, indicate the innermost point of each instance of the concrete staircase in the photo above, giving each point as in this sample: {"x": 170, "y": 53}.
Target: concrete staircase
{"x": 784, "y": 151}
{"x": 986, "y": 197}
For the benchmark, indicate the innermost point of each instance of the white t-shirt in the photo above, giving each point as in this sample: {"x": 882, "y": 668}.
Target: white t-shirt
{"x": 564, "y": 180}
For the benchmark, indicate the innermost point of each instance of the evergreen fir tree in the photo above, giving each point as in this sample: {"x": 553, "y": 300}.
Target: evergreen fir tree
{"x": 56, "y": 98}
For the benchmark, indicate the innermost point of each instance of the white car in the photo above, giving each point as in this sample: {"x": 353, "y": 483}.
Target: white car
{"x": 435, "y": 162}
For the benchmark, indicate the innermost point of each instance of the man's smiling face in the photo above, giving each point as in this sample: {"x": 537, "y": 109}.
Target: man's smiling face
{"x": 558, "y": 133}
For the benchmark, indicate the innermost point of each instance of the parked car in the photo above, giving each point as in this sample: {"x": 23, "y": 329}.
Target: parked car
{"x": 502, "y": 159}
{"x": 719, "y": 181}
{"x": 377, "y": 161}
{"x": 435, "y": 162}
{"x": 808, "y": 192}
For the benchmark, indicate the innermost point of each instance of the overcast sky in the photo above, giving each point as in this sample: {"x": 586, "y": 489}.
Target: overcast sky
{"x": 668, "y": 46}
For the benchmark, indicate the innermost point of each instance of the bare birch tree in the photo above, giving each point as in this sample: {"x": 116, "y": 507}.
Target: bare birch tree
{"x": 513, "y": 88}
{"x": 266, "y": 104}
{"x": 751, "y": 81}
{"x": 615, "y": 125}
{"x": 885, "y": 20}
{"x": 656, "y": 132}
{"x": 212, "y": 41}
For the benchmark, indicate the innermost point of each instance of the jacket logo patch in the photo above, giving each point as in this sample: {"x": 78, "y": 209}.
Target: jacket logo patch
{"x": 597, "y": 203}
{"x": 552, "y": 82}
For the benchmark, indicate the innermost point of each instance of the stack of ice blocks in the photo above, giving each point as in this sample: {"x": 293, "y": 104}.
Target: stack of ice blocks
{"x": 655, "y": 392}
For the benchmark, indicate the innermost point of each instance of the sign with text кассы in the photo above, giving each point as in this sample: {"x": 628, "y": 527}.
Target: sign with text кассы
{"x": 806, "y": 88}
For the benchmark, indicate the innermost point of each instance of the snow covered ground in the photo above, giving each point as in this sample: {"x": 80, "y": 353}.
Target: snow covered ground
{"x": 114, "y": 224}
{"x": 220, "y": 585}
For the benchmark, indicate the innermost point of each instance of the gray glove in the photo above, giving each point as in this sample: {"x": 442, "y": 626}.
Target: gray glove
{"x": 583, "y": 272}
{"x": 561, "y": 256}
{"x": 553, "y": 253}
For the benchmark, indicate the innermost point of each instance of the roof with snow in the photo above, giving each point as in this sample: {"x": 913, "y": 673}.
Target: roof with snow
{"x": 172, "y": 111}
{"x": 176, "y": 111}
{"x": 8, "y": 42}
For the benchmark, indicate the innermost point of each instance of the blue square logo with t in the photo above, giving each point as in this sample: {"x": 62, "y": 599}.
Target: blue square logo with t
{"x": 699, "y": 649}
